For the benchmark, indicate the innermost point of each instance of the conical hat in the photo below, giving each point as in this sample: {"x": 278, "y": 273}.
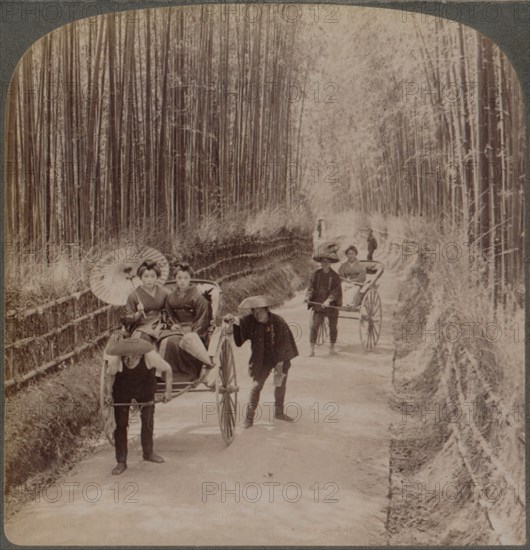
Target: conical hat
{"x": 256, "y": 301}
{"x": 327, "y": 251}
{"x": 129, "y": 346}
{"x": 192, "y": 344}
{"x": 331, "y": 257}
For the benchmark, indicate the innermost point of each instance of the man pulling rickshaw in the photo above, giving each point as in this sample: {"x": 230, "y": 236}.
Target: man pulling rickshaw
{"x": 272, "y": 348}
{"x": 180, "y": 320}
{"x": 349, "y": 294}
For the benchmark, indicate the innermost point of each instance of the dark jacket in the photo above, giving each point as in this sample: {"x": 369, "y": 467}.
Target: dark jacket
{"x": 270, "y": 343}
{"x": 334, "y": 290}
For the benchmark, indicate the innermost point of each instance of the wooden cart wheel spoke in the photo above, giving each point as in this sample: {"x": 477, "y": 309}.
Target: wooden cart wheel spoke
{"x": 376, "y": 329}
{"x": 373, "y": 338}
{"x": 378, "y": 317}
{"x": 323, "y": 332}
{"x": 370, "y": 339}
{"x": 228, "y": 412}
{"x": 226, "y": 391}
{"x": 231, "y": 379}
{"x": 230, "y": 421}
{"x": 370, "y": 319}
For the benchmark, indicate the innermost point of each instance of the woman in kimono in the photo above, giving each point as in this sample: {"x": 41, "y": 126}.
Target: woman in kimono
{"x": 190, "y": 312}
{"x": 145, "y": 304}
{"x": 353, "y": 275}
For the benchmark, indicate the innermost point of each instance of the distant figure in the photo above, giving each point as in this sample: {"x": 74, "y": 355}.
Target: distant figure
{"x": 320, "y": 228}
{"x": 372, "y": 245}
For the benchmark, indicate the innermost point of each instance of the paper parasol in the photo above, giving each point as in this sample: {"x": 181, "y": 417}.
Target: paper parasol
{"x": 114, "y": 277}
{"x": 192, "y": 344}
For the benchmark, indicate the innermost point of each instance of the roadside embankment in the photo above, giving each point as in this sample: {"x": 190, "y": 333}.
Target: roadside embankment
{"x": 457, "y": 455}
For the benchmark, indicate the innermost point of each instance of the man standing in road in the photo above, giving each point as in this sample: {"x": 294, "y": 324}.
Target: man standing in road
{"x": 132, "y": 364}
{"x": 371, "y": 245}
{"x": 320, "y": 227}
{"x": 324, "y": 290}
{"x": 272, "y": 348}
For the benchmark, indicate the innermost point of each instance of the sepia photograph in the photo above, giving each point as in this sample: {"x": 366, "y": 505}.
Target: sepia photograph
{"x": 264, "y": 276}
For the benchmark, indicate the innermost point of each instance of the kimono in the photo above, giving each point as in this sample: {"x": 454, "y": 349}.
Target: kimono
{"x": 189, "y": 312}
{"x": 353, "y": 270}
{"x": 149, "y": 326}
{"x": 354, "y": 273}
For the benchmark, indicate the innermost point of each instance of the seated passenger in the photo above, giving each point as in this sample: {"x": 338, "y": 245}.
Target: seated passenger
{"x": 354, "y": 274}
{"x": 144, "y": 305}
{"x": 189, "y": 310}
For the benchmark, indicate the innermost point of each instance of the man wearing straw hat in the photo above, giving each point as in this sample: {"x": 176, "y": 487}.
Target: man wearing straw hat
{"x": 132, "y": 363}
{"x": 272, "y": 348}
{"x": 324, "y": 290}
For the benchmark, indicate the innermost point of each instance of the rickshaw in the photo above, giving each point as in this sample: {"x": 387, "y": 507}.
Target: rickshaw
{"x": 223, "y": 373}
{"x": 368, "y": 312}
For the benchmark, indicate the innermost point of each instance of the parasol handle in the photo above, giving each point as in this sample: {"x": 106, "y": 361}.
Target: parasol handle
{"x": 138, "y": 298}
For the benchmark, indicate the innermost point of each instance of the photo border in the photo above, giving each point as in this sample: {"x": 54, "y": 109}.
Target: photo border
{"x": 507, "y": 24}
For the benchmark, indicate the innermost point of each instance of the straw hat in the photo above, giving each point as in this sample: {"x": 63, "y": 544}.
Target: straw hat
{"x": 129, "y": 346}
{"x": 331, "y": 257}
{"x": 256, "y": 301}
{"x": 327, "y": 251}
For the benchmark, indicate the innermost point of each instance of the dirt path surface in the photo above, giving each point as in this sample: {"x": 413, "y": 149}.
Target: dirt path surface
{"x": 322, "y": 480}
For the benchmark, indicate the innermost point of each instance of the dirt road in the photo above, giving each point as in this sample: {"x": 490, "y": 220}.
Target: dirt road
{"x": 322, "y": 480}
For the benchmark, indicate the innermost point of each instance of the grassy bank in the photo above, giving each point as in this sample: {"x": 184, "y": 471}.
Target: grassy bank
{"x": 33, "y": 277}
{"x": 48, "y": 426}
{"x": 457, "y": 453}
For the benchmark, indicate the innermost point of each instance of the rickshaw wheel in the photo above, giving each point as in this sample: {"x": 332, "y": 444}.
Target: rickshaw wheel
{"x": 106, "y": 411}
{"x": 371, "y": 317}
{"x": 323, "y": 332}
{"x": 226, "y": 391}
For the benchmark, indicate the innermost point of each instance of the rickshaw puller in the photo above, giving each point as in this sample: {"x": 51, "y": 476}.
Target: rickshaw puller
{"x": 132, "y": 368}
{"x": 324, "y": 289}
{"x": 272, "y": 348}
